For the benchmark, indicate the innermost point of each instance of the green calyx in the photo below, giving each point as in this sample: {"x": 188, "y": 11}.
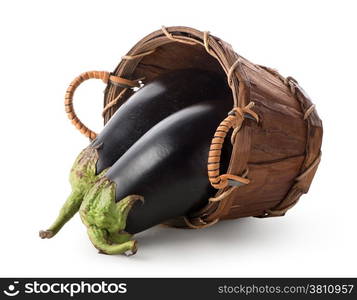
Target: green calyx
{"x": 94, "y": 197}
{"x": 106, "y": 220}
{"x": 82, "y": 177}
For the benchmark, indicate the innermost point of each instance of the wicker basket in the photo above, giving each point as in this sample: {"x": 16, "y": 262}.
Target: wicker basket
{"x": 276, "y": 142}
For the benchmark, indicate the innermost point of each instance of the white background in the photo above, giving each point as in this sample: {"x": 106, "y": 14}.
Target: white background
{"x": 45, "y": 44}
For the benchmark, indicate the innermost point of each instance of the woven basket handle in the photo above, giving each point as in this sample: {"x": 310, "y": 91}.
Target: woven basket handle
{"x": 103, "y": 75}
{"x": 234, "y": 120}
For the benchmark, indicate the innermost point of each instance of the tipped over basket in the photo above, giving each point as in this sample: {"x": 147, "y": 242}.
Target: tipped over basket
{"x": 275, "y": 130}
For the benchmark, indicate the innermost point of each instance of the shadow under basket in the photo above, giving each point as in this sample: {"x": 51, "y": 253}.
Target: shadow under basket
{"x": 276, "y": 131}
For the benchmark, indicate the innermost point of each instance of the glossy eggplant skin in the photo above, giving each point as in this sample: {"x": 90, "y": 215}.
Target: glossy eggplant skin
{"x": 152, "y": 103}
{"x": 168, "y": 165}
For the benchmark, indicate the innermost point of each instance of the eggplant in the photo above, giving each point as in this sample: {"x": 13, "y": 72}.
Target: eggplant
{"x": 166, "y": 169}
{"x": 162, "y": 97}
{"x": 152, "y": 103}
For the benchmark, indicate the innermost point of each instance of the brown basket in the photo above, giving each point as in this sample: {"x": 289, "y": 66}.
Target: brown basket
{"x": 276, "y": 143}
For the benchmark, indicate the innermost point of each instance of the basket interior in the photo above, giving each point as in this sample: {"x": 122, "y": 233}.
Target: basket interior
{"x": 174, "y": 56}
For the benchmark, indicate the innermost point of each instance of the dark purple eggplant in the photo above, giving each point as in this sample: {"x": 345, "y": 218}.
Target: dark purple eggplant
{"x": 155, "y": 101}
{"x": 167, "y": 167}
{"x": 151, "y": 104}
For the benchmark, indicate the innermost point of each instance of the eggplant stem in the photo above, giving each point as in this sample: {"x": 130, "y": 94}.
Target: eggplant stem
{"x": 99, "y": 238}
{"x": 82, "y": 176}
{"x": 119, "y": 237}
{"x": 68, "y": 210}
{"x": 105, "y": 219}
